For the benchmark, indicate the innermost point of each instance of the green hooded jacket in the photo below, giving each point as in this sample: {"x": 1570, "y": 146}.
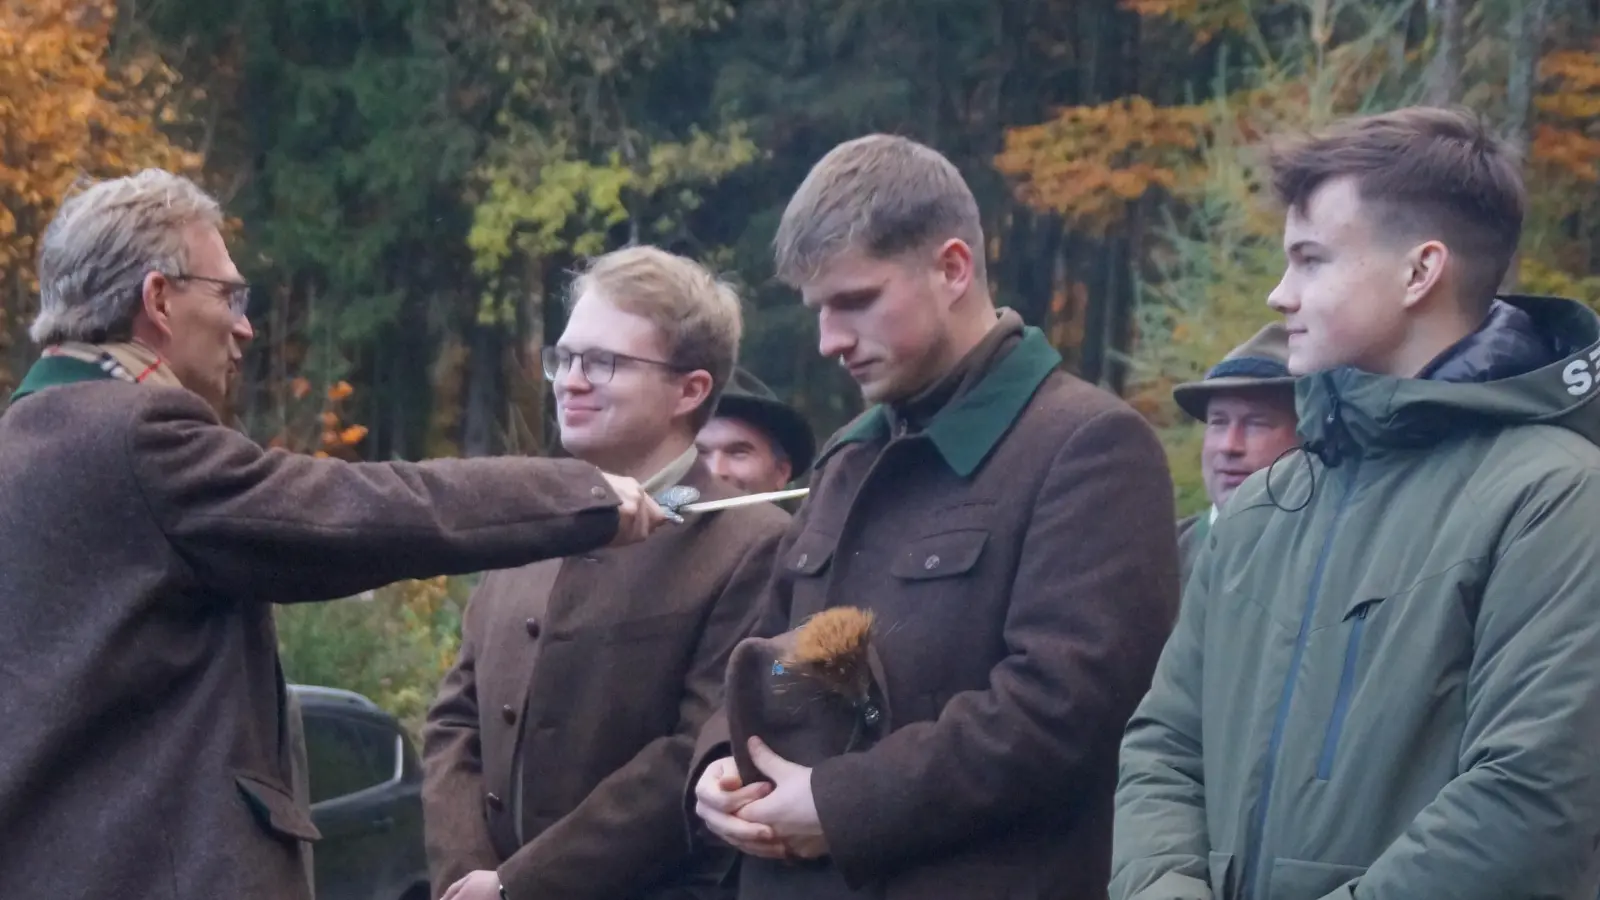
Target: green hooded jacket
{"x": 1385, "y": 678}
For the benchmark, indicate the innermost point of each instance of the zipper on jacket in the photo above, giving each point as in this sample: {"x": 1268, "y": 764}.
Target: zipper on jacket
{"x": 1347, "y": 683}
{"x": 1255, "y": 866}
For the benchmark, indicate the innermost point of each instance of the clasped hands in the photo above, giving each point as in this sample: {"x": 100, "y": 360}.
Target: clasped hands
{"x": 776, "y": 820}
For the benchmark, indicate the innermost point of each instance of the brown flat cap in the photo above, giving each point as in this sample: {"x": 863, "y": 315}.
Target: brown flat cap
{"x": 1261, "y": 362}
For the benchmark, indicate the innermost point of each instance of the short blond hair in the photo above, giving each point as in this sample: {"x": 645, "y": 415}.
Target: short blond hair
{"x": 696, "y": 313}
{"x": 102, "y": 243}
{"x": 881, "y": 195}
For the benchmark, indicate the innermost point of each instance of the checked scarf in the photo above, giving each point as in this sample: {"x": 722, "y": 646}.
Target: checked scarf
{"x": 128, "y": 361}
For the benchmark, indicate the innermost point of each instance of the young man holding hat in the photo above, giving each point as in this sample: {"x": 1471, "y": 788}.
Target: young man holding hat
{"x": 1004, "y": 532}
{"x": 1247, "y": 404}
{"x": 755, "y": 442}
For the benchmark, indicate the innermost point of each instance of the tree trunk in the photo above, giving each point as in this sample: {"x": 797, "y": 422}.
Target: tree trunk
{"x": 531, "y": 391}
{"x": 485, "y": 391}
{"x": 1522, "y": 83}
{"x": 405, "y": 373}
{"x": 1119, "y": 323}
{"x": 1095, "y": 271}
{"x": 1445, "y": 71}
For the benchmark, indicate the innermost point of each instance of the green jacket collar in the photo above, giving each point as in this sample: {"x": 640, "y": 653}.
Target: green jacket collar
{"x": 969, "y": 428}
{"x": 1345, "y": 412}
{"x": 52, "y": 371}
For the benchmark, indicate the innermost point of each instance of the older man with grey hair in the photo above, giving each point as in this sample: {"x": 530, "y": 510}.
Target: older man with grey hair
{"x": 142, "y": 544}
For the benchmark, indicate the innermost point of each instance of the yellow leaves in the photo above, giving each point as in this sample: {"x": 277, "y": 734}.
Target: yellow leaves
{"x": 1090, "y": 162}
{"x": 353, "y": 435}
{"x": 1536, "y": 276}
{"x": 542, "y": 197}
{"x": 299, "y": 388}
{"x": 340, "y": 391}
{"x": 1577, "y": 70}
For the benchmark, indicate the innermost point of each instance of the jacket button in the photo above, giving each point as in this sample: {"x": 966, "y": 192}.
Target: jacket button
{"x": 494, "y": 802}
{"x": 931, "y": 563}
{"x": 597, "y": 492}
{"x": 507, "y": 713}
{"x": 533, "y": 628}
{"x": 802, "y": 560}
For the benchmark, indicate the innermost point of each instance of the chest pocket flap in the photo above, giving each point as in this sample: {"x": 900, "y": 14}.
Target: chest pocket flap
{"x": 944, "y": 555}
{"x": 811, "y": 553}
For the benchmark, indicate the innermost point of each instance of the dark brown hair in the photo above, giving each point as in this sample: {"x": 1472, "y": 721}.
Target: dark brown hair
{"x": 881, "y": 195}
{"x": 1428, "y": 174}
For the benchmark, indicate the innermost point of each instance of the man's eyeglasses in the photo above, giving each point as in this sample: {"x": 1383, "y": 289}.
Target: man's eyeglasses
{"x": 238, "y": 292}
{"x": 597, "y": 366}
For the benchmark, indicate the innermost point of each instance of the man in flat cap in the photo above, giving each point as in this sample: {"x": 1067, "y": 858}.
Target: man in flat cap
{"x": 755, "y": 442}
{"x": 1247, "y": 404}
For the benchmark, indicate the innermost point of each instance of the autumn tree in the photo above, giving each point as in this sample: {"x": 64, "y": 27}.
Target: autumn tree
{"x": 1561, "y": 245}
{"x": 66, "y": 112}
{"x": 1212, "y": 254}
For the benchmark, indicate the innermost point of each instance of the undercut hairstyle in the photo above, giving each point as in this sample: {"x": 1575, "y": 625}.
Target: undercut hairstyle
{"x": 102, "y": 243}
{"x": 880, "y": 195}
{"x": 696, "y": 313}
{"x": 1426, "y": 173}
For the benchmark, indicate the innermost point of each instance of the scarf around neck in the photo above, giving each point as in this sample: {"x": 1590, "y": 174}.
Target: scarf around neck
{"x": 128, "y": 361}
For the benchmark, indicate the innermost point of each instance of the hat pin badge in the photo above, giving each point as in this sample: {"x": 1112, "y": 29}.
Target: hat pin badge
{"x": 673, "y": 499}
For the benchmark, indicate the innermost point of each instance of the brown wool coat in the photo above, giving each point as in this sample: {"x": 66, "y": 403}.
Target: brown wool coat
{"x": 608, "y": 664}
{"x": 145, "y": 753}
{"x": 1020, "y": 558}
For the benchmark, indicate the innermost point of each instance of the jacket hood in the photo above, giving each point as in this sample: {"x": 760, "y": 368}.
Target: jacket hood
{"x": 1534, "y": 360}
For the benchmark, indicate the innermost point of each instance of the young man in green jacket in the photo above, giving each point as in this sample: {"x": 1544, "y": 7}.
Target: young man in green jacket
{"x": 1385, "y": 678}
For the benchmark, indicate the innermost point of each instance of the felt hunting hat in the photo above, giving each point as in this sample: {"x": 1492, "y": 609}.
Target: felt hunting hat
{"x": 810, "y": 694}
{"x": 748, "y": 399}
{"x": 1261, "y": 362}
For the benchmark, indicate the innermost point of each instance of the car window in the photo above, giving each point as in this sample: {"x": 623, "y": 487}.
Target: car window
{"x": 378, "y": 747}
{"x": 345, "y": 757}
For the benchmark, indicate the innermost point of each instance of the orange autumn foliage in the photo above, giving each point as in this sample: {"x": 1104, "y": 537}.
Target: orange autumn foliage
{"x": 315, "y": 424}
{"x": 1090, "y": 162}
{"x": 64, "y": 113}
{"x": 1567, "y": 141}
{"x": 1207, "y": 18}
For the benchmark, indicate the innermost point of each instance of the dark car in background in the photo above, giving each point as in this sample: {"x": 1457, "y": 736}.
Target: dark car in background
{"x": 366, "y": 799}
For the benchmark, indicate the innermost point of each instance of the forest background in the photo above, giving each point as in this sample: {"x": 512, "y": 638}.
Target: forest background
{"x": 411, "y": 180}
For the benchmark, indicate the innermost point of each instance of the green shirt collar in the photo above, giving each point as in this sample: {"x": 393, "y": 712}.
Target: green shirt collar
{"x": 51, "y": 371}
{"x": 965, "y": 431}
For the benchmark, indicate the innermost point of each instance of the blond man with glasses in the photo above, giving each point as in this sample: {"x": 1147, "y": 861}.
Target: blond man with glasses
{"x": 556, "y": 752}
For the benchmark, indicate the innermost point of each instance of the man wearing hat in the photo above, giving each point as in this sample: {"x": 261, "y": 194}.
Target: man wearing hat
{"x": 1247, "y": 404}
{"x": 755, "y": 441}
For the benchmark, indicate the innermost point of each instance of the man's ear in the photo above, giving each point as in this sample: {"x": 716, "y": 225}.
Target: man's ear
{"x": 155, "y": 298}
{"x": 696, "y": 391}
{"x": 955, "y": 267}
{"x": 1424, "y": 271}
